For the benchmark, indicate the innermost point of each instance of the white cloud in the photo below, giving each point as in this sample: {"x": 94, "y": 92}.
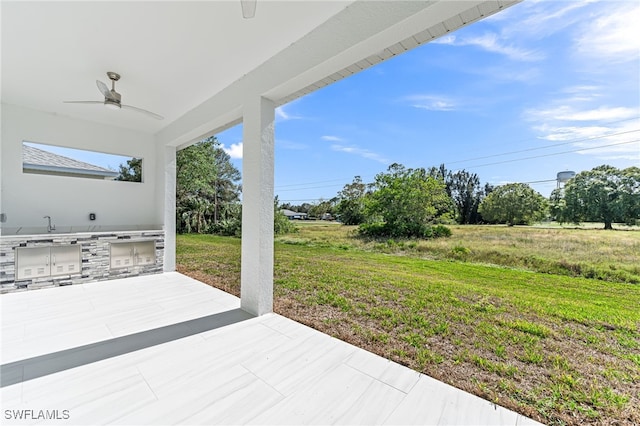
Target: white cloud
{"x": 331, "y": 138}
{"x": 287, "y": 144}
{"x": 533, "y": 20}
{"x": 612, "y": 34}
{"x": 283, "y": 112}
{"x": 365, "y": 153}
{"x": 431, "y": 102}
{"x": 491, "y": 42}
{"x": 584, "y": 93}
{"x": 600, "y": 114}
{"x": 570, "y": 113}
{"x": 623, "y": 151}
{"x": 569, "y": 133}
{"x": 607, "y": 133}
{"x": 448, "y": 39}
{"x": 234, "y": 151}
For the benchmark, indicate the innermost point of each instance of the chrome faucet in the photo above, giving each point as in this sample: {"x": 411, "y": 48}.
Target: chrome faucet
{"x": 49, "y": 226}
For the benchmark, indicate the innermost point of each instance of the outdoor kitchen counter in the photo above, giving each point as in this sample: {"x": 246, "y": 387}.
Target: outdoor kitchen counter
{"x": 95, "y": 257}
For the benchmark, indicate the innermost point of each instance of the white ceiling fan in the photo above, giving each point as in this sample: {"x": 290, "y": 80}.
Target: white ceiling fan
{"x": 112, "y": 99}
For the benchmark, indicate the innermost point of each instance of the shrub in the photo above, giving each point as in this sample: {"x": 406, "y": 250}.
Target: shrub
{"x": 440, "y": 231}
{"x": 228, "y": 227}
{"x": 282, "y": 224}
{"x": 384, "y": 230}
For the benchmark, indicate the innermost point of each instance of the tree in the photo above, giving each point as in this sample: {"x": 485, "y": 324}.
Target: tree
{"x": 603, "y": 194}
{"x": 281, "y": 223}
{"x": 226, "y": 190}
{"x": 207, "y": 190}
{"x": 131, "y": 171}
{"x": 322, "y": 207}
{"x": 630, "y": 189}
{"x": 406, "y": 202}
{"x": 439, "y": 173}
{"x": 350, "y": 208}
{"x": 557, "y": 205}
{"x": 513, "y": 204}
{"x": 466, "y": 193}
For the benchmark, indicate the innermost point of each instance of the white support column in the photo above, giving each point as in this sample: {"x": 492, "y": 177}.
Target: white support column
{"x": 169, "y": 218}
{"x": 256, "y": 291}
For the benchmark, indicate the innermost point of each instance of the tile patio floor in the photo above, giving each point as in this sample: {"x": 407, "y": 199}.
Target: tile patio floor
{"x": 167, "y": 349}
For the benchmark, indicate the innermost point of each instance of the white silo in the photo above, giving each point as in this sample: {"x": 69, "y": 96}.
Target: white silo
{"x": 563, "y": 177}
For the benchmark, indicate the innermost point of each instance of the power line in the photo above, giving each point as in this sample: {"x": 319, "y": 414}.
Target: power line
{"x": 311, "y": 183}
{"x": 321, "y": 198}
{"x": 596, "y": 137}
{"x": 302, "y": 186}
{"x": 488, "y": 164}
{"x": 541, "y": 181}
{"x": 312, "y": 187}
{"x": 545, "y": 147}
{"x": 555, "y": 153}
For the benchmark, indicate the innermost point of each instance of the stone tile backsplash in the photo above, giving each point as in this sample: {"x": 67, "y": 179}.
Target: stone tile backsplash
{"x": 95, "y": 249}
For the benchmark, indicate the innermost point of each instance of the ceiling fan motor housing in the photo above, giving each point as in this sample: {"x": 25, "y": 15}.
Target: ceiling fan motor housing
{"x": 114, "y": 100}
{"x": 115, "y": 96}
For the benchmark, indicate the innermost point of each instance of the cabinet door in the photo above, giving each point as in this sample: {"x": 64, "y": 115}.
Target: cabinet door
{"x": 121, "y": 255}
{"x": 32, "y": 262}
{"x": 145, "y": 252}
{"x": 65, "y": 260}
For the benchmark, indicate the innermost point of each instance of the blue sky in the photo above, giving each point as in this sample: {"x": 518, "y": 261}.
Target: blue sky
{"x": 543, "y": 87}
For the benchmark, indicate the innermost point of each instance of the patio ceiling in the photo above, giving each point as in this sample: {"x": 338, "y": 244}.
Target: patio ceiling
{"x": 196, "y": 62}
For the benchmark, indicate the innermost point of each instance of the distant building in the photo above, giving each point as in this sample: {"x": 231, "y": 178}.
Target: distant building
{"x": 564, "y": 177}
{"x": 294, "y": 215}
{"x": 38, "y": 161}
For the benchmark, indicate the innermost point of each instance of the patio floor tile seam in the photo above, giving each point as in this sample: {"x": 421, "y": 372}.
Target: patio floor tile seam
{"x": 104, "y": 349}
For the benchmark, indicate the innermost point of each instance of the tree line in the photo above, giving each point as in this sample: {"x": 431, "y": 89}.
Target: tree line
{"x": 401, "y": 201}
{"x": 404, "y": 201}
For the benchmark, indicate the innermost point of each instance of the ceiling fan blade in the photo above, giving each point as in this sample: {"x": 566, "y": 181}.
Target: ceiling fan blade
{"x": 144, "y": 111}
{"x": 248, "y": 8}
{"x": 83, "y": 102}
{"x": 104, "y": 89}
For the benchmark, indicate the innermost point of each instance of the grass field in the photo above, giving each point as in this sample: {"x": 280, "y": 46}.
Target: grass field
{"x": 562, "y": 349}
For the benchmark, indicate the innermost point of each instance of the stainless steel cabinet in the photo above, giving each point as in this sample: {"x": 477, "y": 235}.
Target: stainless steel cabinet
{"x": 121, "y": 255}
{"x": 36, "y": 262}
{"x": 144, "y": 253}
{"x": 137, "y": 253}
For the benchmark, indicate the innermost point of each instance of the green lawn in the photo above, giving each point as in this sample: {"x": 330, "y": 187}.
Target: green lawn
{"x": 561, "y": 349}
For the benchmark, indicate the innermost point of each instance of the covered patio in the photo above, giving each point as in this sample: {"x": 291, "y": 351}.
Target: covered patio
{"x": 158, "y": 347}
{"x": 202, "y": 66}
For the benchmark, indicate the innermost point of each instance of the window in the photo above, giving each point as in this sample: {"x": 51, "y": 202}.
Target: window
{"x": 60, "y": 161}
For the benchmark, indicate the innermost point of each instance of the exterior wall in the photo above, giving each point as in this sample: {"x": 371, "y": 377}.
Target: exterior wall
{"x": 95, "y": 258}
{"x": 26, "y": 198}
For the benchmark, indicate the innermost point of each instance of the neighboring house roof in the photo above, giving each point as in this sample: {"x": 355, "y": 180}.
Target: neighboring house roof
{"x": 291, "y": 213}
{"x": 38, "y": 160}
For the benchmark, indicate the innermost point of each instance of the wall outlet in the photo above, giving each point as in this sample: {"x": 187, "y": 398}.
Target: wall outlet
{"x": 92, "y": 216}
